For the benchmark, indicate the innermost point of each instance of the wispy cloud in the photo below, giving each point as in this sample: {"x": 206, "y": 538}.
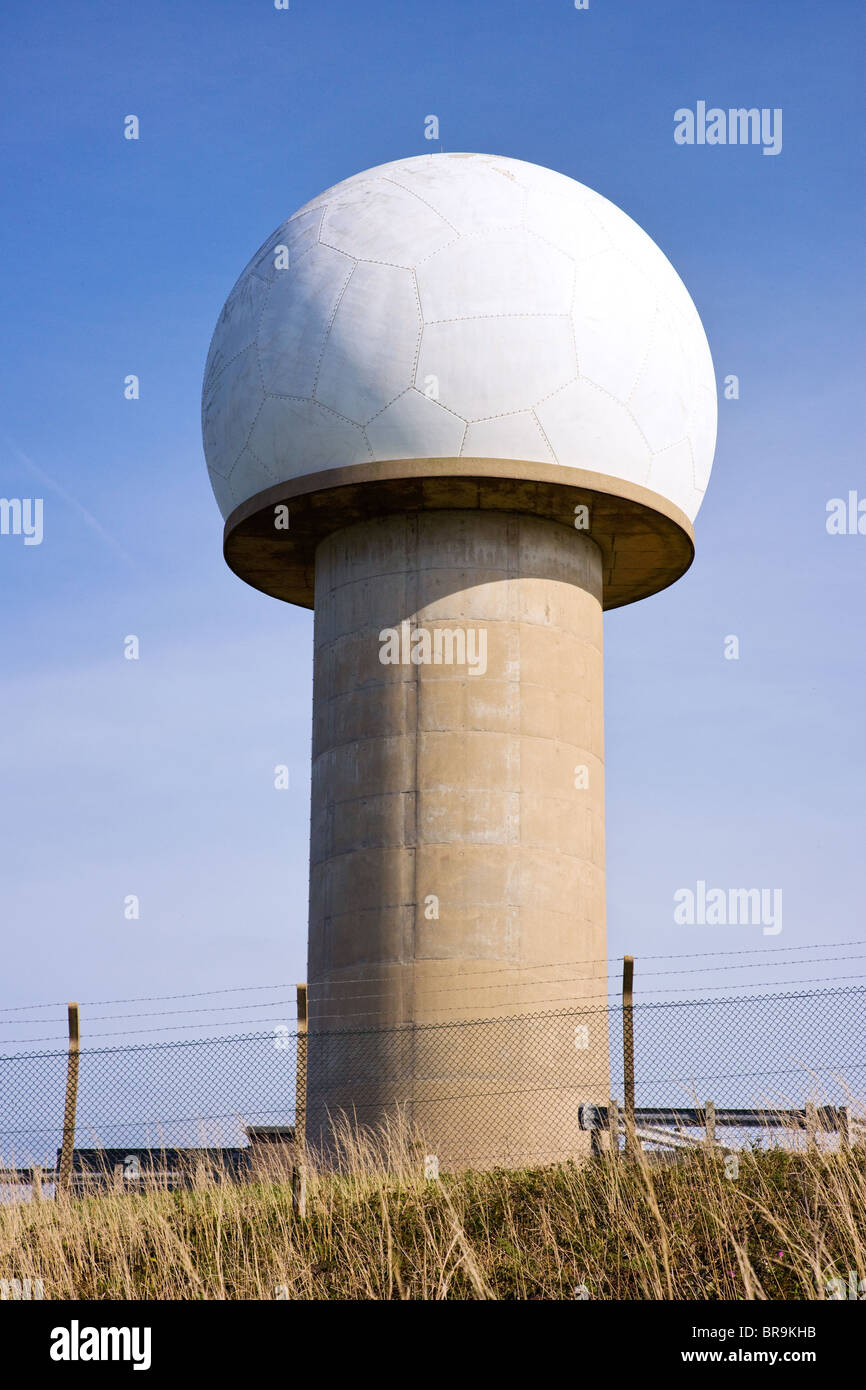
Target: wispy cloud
{"x": 87, "y": 517}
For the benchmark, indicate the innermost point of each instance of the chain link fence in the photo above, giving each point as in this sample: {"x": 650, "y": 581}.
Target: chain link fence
{"x": 506, "y": 1090}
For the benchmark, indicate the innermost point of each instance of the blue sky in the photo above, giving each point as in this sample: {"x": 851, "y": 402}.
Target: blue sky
{"x": 155, "y": 777}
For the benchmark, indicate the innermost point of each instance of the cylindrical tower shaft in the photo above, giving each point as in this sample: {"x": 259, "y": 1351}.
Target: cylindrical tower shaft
{"x": 457, "y": 839}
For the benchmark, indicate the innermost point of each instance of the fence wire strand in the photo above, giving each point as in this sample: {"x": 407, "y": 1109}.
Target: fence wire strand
{"x": 483, "y": 1091}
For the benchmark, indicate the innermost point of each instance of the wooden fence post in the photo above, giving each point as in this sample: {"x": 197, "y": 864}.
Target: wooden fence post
{"x": 64, "y": 1179}
{"x": 36, "y": 1183}
{"x": 710, "y": 1122}
{"x": 613, "y": 1127}
{"x": 628, "y": 1052}
{"x": 299, "y": 1167}
{"x": 843, "y": 1124}
{"x": 811, "y": 1124}
{"x": 301, "y": 1071}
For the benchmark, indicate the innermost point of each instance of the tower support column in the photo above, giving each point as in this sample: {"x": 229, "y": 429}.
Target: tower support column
{"x": 457, "y": 832}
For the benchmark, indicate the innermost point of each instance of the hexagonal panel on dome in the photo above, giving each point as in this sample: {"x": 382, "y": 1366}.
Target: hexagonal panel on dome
{"x": 588, "y": 428}
{"x": 672, "y": 469}
{"x": 634, "y": 244}
{"x": 230, "y": 409}
{"x": 568, "y": 223}
{"x": 662, "y": 396}
{"x": 414, "y": 426}
{"x": 296, "y": 318}
{"x": 291, "y": 430}
{"x": 379, "y": 304}
{"x": 614, "y": 310}
{"x": 237, "y": 327}
{"x": 501, "y": 272}
{"x": 507, "y": 437}
{"x": 495, "y": 366}
{"x": 299, "y": 235}
{"x": 375, "y": 219}
{"x": 249, "y": 474}
{"x": 222, "y": 492}
{"x": 472, "y": 192}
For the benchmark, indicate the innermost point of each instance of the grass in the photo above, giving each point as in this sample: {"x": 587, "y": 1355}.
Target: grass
{"x": 377, "y": 1229}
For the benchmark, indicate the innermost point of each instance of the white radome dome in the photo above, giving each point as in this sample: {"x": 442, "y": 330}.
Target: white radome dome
{"x": 459, "y": 305}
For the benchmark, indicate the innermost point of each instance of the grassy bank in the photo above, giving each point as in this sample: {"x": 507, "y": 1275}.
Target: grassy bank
{"x": 781, "y": 1229}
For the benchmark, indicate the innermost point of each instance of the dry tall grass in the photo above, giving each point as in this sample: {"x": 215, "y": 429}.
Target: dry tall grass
{"x": 377, "y": 1229}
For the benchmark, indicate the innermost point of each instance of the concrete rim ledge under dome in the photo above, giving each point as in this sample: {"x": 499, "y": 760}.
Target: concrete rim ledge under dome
{"x": 646, "y": 541}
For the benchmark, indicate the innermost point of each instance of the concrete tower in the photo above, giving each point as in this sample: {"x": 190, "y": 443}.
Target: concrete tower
{"x": 459, "y": 405}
